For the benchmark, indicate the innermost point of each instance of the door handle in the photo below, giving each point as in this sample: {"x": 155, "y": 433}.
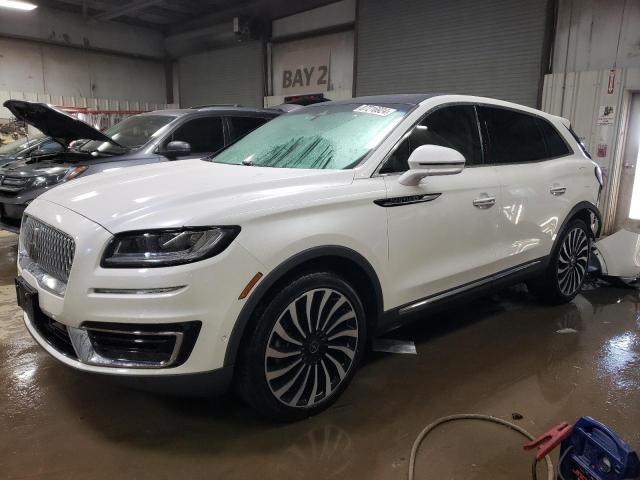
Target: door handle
{"x": 484, "y": 201}
{"x": 558, "y": 190}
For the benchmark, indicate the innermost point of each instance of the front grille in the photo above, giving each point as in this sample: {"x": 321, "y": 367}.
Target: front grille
{"x": 12, "y": 185}
{"x": 48, "y": 247}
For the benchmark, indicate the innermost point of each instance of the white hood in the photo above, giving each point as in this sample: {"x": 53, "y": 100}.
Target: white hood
{"x": 188, "y": 193}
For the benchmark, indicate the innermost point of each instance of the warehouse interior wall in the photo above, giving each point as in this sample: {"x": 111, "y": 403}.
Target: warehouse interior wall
{"x": 596, "y": 71}
{"x": 63, "y": 54}
{"x": 599, "y": 118}
{"x": 40, "y": 68}
{"x": 334, "y": 49}
{"x": 72, "y": 30}
{"x": 596, "y": 34}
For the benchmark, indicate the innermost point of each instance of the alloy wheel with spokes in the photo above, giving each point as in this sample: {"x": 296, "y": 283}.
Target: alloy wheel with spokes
{"x": 573, "y": 259}
{"x": 311, "y": 347}
{"x": 566, "y": 270}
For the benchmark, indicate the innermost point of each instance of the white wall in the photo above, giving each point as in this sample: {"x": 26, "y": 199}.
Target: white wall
{"x": 32, "y": 67}
{"x": 337, "y": 48}
{"x": 46, "y": 52}
{"x": 587, "y": 34}
{"x": 580, "y": 96}
{"x": 70, "y": 29}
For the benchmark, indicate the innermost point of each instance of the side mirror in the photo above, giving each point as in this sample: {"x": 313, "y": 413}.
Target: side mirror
{"x": 430, "y": 161}
{"x": 177, "y": 149}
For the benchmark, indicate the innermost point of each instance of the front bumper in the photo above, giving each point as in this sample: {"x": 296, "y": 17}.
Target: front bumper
{"x": 208, "y": 383}
{"x": 208, "y": 294}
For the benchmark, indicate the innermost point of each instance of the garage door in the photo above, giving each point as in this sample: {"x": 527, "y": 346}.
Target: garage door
{"x": 228, "y": 75}
{"x": 490, "y": 48}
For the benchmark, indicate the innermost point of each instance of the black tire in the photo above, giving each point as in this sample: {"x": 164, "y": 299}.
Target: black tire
{"x": 292, "y": 369}
{"x": 567, "y": 269}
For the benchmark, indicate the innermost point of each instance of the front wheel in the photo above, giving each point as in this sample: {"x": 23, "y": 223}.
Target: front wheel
{"x": 567, "y": 268}
{"x": 306, "y": 346}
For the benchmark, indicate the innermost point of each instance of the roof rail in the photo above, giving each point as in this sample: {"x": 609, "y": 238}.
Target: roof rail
{"x": 216, "y": 105}
{"x": 284, "y": 107}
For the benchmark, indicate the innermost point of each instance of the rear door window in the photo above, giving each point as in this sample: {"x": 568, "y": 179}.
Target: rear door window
{"x": 511, "y": 136}
{"x": 204, "y": 134}
{"x": 453, "y": 127}
{"x": 240, "y": 126}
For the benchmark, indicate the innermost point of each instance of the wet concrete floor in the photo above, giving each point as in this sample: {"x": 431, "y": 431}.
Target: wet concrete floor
{"x": 500, "y": 355}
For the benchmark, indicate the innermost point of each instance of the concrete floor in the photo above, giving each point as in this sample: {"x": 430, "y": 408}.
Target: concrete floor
{"x": 498, "y": 356}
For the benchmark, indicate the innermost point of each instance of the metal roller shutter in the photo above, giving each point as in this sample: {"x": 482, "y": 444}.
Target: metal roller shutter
{"x": 227, "y": 75}
{"x": 492, "y": 48}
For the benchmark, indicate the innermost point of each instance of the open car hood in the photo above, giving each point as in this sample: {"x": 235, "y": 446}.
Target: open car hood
{"x": 53, "y": 122}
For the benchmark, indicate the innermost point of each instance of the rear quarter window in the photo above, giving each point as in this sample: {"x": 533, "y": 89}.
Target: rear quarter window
{"x": 556, "y": 146}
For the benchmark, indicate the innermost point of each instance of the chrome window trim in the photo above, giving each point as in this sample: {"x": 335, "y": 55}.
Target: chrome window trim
{"x": 476, "y": 104}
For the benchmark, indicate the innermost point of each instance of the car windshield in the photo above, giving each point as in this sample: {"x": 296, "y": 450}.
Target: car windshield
{"x": 17, "y": 146}
{"x": 323, "y": 136}
{"x": 131, "y": 133}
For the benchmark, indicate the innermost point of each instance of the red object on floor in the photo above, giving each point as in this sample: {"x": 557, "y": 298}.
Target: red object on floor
{"x": 546, "y": 442}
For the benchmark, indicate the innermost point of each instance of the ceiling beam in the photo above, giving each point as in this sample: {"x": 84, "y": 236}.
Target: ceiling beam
{"x": 93, "y": 4}
{"x": 221, "y": 13}
{"x": 127, "y": 9}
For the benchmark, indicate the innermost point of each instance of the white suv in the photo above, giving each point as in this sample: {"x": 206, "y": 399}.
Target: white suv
{"x": 273, "y": 263}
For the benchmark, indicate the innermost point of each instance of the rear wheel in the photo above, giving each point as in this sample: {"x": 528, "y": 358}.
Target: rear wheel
{"x": 567, "y": 269}
{"x": 305, "y": 349}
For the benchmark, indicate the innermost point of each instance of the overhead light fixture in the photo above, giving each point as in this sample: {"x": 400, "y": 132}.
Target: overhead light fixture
{"x": 17, "y": 5}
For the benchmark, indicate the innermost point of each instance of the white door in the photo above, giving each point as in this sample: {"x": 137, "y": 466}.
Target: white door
{"x": 540, "y": 179}
{"x": 443, "y": 232}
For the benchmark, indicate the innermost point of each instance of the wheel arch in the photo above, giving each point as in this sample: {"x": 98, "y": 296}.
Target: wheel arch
{"x": 341, "y": 260}
{"x": 583, "y": 211}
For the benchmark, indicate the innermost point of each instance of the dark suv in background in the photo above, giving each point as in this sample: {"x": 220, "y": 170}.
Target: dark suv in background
{"x": 158, "y": 136}
{"x": 28, "y": 148}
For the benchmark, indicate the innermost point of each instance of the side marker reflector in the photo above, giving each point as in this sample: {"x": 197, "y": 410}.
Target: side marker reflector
{"x": 250, "y": 285}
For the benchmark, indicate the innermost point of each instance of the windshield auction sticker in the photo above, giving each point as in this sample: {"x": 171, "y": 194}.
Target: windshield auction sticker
{"x": 375, "y": 110}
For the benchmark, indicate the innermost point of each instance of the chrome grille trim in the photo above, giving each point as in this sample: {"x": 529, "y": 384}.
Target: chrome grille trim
{"x": 47, "y": 251}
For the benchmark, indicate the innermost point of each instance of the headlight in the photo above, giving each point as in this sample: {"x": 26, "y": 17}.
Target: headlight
{"x": 40, "y": 181}
{"x": 74, "y": 172}
{"x": 164, "y": 248}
